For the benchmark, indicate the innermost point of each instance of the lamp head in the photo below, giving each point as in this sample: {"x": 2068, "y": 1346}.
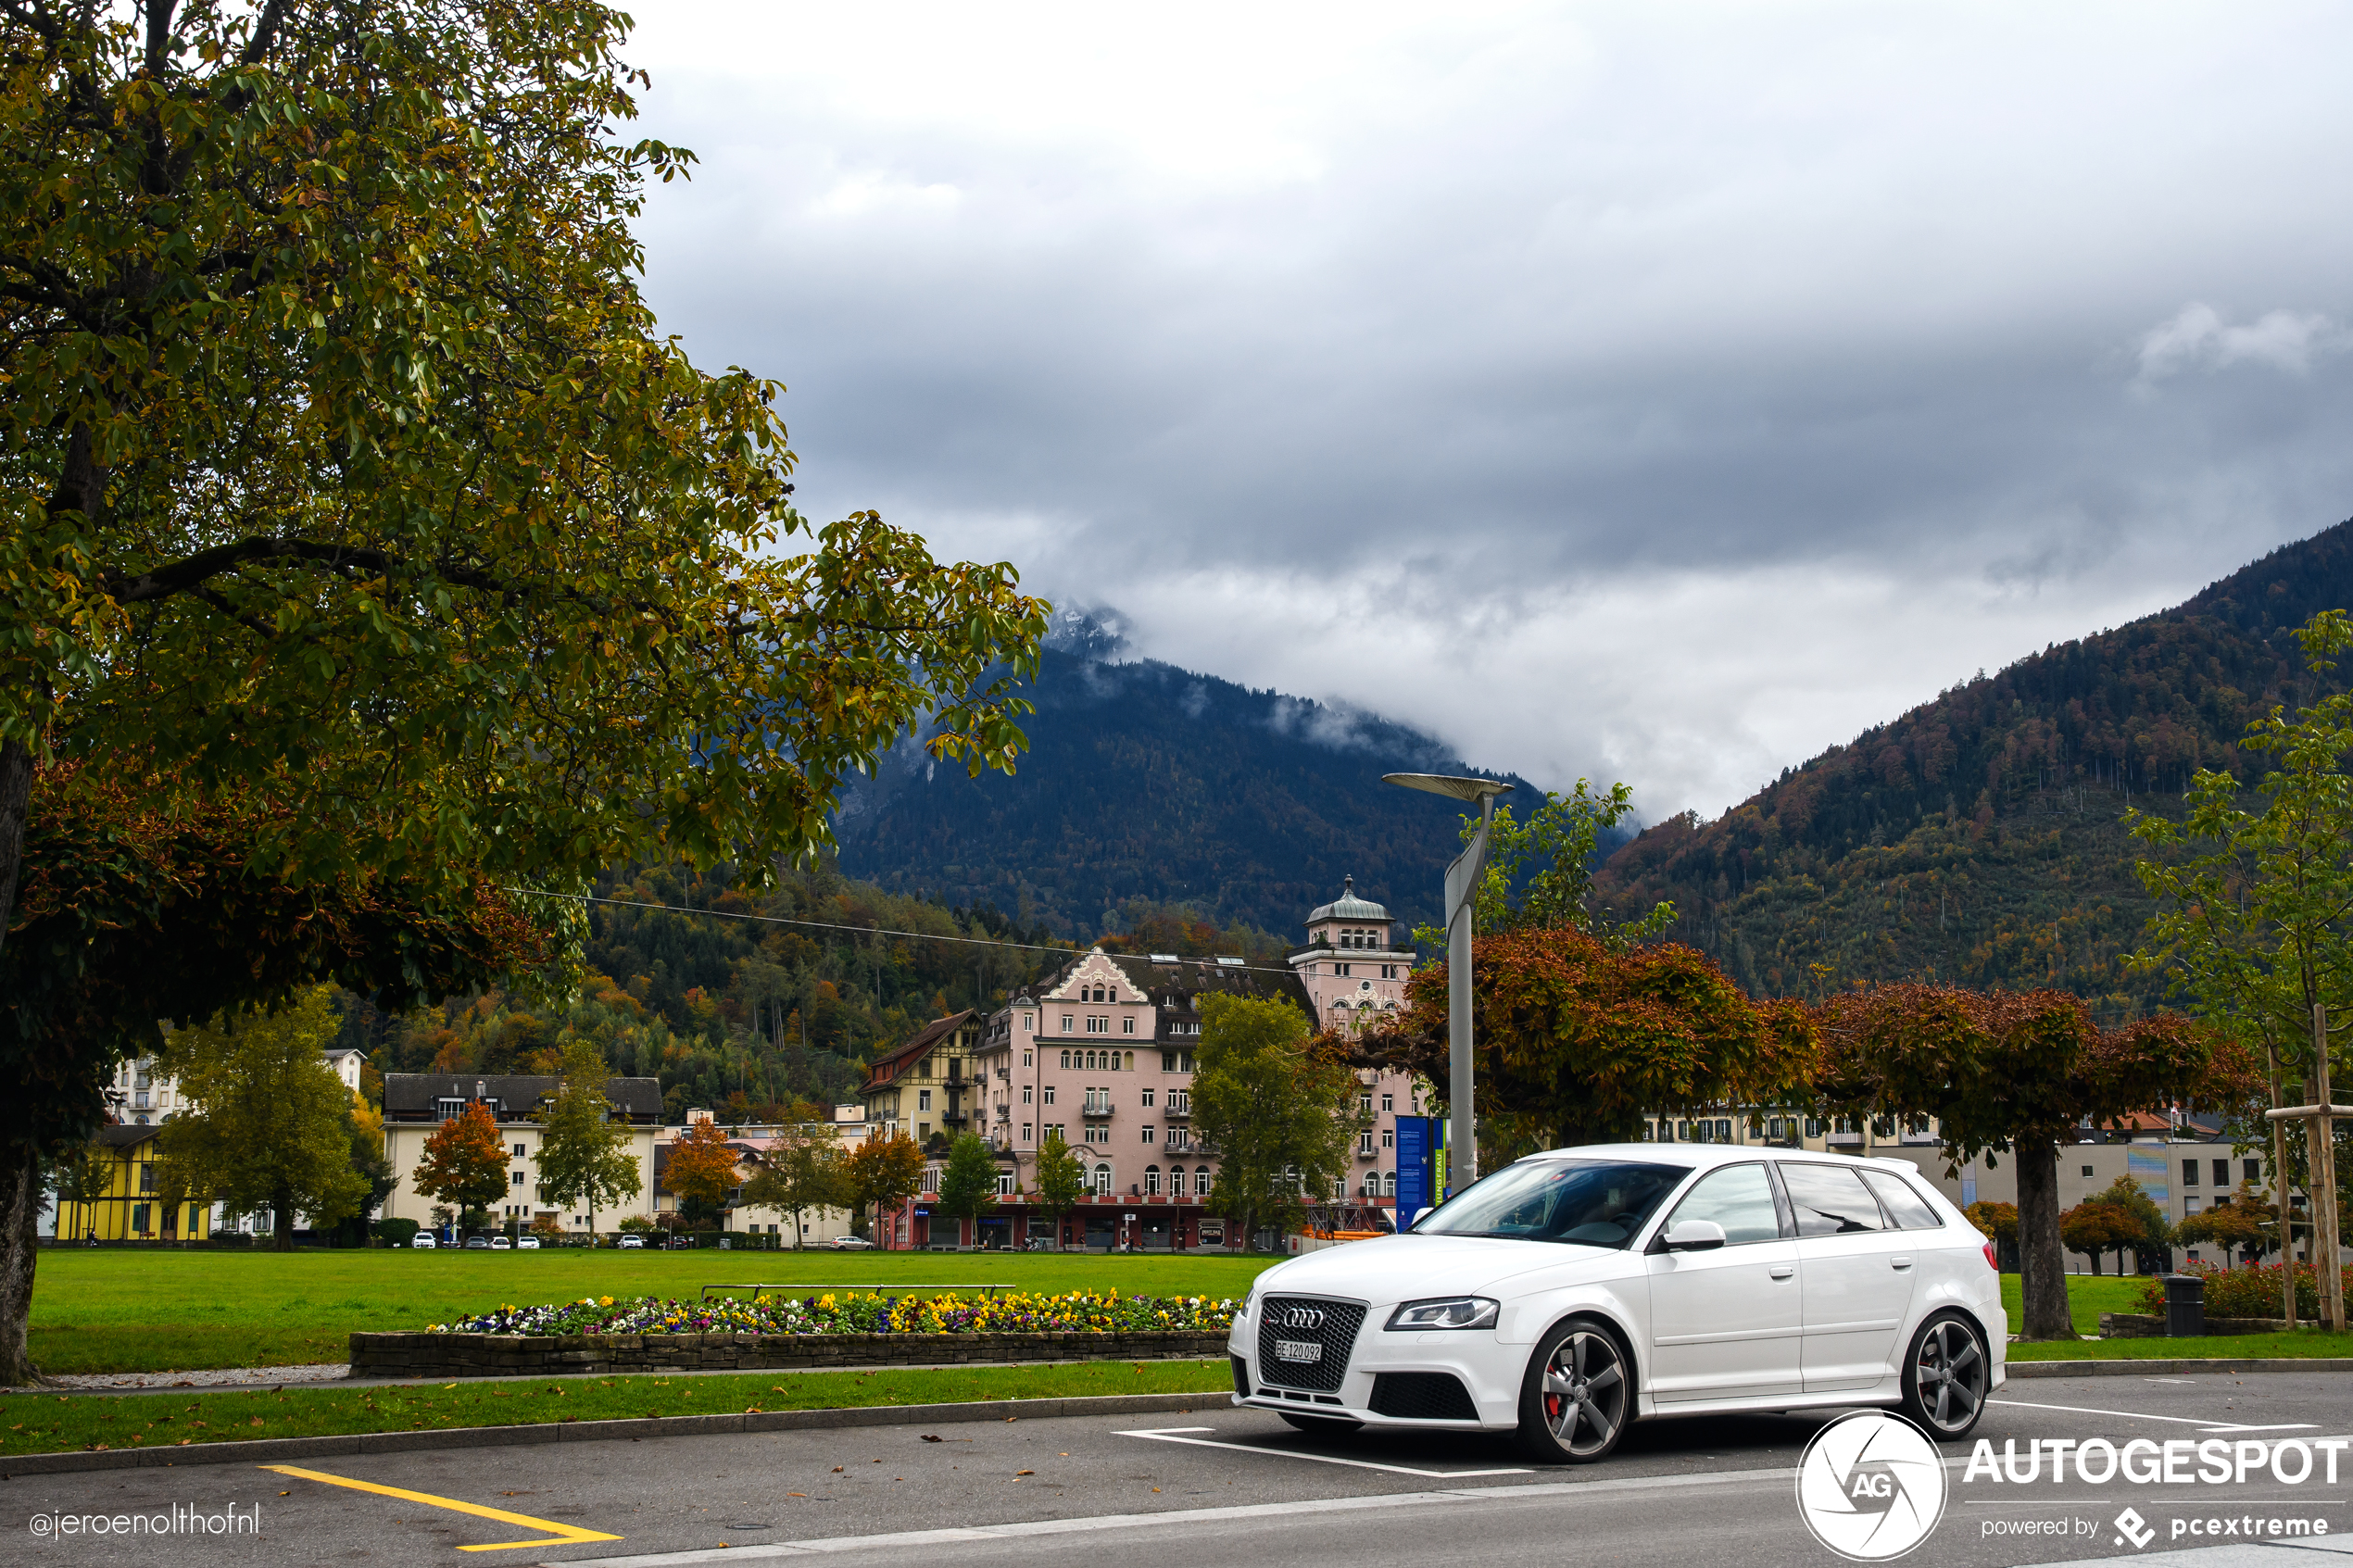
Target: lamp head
{"x": 1480, "y": 790}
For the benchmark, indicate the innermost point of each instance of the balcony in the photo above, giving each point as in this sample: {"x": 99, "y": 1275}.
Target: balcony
{"x": 953, "y": 1119}
{"x": 1180, "y": 1105}
{"x": 1095, "y": 1106}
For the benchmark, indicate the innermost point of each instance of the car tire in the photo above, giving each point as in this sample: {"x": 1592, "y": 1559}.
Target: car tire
{"x": 1946, "y": 1376}
{"x": 1577, "y": 1397}
{"x": 1321, "y": 1425}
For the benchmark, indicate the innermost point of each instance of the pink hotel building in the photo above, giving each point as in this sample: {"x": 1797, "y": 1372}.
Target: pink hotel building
{"x": 1102, "y": 1053}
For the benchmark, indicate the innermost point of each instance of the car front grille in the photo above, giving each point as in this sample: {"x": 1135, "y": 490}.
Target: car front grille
{"x": 1422, "y": 1396}
{"x": 1293, "y": 1320}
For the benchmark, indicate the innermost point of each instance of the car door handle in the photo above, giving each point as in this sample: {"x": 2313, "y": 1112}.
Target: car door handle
{"x": 1901, "y": 1262}
{"x": 1784, "y": 1270}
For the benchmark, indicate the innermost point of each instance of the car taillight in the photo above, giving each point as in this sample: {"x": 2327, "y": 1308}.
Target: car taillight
{"x": 1992, "y": 1261}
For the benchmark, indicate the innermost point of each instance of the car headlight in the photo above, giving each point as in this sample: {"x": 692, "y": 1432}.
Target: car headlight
{"x": 1450, "y": 1311}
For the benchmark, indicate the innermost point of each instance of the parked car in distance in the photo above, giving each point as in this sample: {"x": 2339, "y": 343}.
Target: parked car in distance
{"x": 1572, "y": 1293}
{"x": 631, "y": 1241}
{"x": 477, "y": 1244}
{"x": 528, "y": 1244}
{"x": 853, "y": 1244}
{"x": 500, "y": 1244}
{"x": 423, "y": 1239}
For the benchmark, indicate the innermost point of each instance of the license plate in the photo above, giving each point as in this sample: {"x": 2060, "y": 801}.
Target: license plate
{"x": 1297, "y": 1350}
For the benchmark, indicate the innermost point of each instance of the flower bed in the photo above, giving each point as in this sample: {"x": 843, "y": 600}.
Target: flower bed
{"x": 769, "y": 1313}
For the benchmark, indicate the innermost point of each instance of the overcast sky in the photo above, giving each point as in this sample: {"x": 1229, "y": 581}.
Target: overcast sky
{"x": 1649, "y": 391}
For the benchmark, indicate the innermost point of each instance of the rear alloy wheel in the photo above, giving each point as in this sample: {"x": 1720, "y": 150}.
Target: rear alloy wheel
{"x": 1577, "y": 1396}
{"x": 1321, "y": 1425}
{"x": 1946, "y": 1376}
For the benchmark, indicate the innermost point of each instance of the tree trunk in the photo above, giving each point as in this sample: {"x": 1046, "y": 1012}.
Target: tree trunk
{"x": 16, "y": 797}
{"x": 282, "y": 1204}
{"x": 2320, "y": 1144}
{"x": 2042, "y": 1263}
{"x": 2284, "y": 1225}
{"x": 19, "y": 1250}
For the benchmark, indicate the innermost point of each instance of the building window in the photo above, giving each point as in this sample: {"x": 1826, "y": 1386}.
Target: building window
{"x": 450, "y": 1109}
{"x": 517, "y": 1177}
{"x": 2254, "y": 1169}
{"x": 1364, "y": 1143}
{"x": 1341, "y": 969}
{"x": 1102, "y": 1180}
{"x": 2087, "y": 1172}
{"x": 1389, "y": 1184}
{"x": 2189, "y": 1205}
{"x": 1049, "y": 1094}
{"x": 2189, "y": 1174}
{"x": 1146, "y": 1097}
{"x": 922, "y": 1132}
{"x": 1388, "y": 1104}
{"x": 1152, "y": 1181}
{"x": 1723, "y": 1129}
{"x": 1098, "y": 1024}
{"x": 1148, "y": 1135}
{"x": 1028, "y": 1026}
{"x": 139, "y": 1218}
{"x": 146, "y": 1178}
{"x": 1024, "y": 1058}
{"x": 1815, "y": 1127}
{"x": 1364, "y": 1104}
{"x": 1066, "y": 1023}
{"x": 923, "y": 1099}
{"x": 1025, "y": 1131}
{"x": 1389, "y": 1137}
{"x": 1025, "y": 1094}
{"x": 1004, "y": 1184}
{"x": 2221, "y": 1172}
{"x": 1128, "y": 1025}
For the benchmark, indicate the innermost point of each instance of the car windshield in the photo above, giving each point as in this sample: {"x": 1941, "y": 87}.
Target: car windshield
{"x": 1586, "y": 1202}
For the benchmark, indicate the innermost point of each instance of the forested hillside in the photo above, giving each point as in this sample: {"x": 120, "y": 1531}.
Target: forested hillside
{"x": 1145, "y": 781}
{"x": 1976, "y": 840}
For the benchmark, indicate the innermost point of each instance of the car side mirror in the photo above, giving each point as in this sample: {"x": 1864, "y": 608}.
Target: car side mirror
{"x": 1417, "y": 1216}
{"x": 1695, "y": 1235}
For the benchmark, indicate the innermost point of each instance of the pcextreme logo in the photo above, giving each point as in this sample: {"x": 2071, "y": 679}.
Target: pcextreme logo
{"x": 1871, "y": 1487}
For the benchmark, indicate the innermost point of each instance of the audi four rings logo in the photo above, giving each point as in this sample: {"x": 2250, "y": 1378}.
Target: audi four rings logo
{"x": 1302, "y": 1317}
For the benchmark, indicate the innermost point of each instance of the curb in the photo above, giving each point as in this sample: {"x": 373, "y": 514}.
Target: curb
{"x": 273, "y": 1450}
{"x": 2153, "y": 1365}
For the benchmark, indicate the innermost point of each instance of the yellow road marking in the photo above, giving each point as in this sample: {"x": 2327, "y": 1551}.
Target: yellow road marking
{"x": 564, "y": 1534}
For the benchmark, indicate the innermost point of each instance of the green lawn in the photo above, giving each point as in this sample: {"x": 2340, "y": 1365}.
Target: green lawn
{"x": 51, "y": 1424}
{"x": 2088, "y": 1297}
{"x": 113, "y": 1309}
{"x": 2212, "y": 1346}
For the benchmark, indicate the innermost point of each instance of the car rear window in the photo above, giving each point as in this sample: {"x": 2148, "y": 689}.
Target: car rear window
{"x": 1907, "y": 1208}
{"x": 1830, "y": 1200}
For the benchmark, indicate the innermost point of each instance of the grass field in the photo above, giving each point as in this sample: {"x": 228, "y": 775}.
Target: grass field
{"x": 107, "y": 1309}
{"x": 51, "y": 1423}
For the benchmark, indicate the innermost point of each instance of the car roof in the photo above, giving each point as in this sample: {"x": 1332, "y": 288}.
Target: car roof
{"x": 1701, "y": 1156}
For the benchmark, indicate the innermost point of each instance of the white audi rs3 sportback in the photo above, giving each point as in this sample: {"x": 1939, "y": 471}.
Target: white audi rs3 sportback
{"x": 1572, "y": 1293}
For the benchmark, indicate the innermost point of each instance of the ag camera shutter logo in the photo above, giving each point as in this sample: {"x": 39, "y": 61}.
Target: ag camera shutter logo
{"x": 1871, "y": 1487}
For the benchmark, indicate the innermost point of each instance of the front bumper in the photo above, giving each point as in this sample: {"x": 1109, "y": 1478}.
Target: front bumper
{"x": 1490, "y": 1374}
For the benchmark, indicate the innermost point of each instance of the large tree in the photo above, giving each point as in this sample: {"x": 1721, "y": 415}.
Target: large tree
{"x": 1578, "y": 1037}
{"x": 1062, "y": 1178}
{"x": 2256, "y": 916}
{"x": 2015, "y": 1073}
{"x": 269, "y": 1123}
{"x": 586, "y": 1159}
{"x": 1280, "y": 1111}
{"x": 703, "y": 1168}
{"x": 968, "y": 1182}
{"x": 799, "y": 1171}
{"x": 350, "y": 490}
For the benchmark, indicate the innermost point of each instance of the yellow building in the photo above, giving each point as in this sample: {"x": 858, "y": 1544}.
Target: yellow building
{"x": 127, "y": 1207}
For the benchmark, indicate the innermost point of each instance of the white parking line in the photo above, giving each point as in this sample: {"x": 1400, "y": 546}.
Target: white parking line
{"x": 2143, "y": 1415}
{"x": 1173, "y": 1435}
{"x": 1190, "y": 1517}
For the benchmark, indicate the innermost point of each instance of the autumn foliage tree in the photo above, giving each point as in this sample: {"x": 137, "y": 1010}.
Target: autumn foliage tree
{"x": 465, "y": 1161}
{"x": 1577, "y": 1038}
{"x": 2015, "y": 1073}
{"x": 2093, "y": 1227}
{"x": 702, "y": 1170}
{"x": 881, "y": 1174}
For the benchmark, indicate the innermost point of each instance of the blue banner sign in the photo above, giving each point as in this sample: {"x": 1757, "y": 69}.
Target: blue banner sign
{"x": 1417, "y": 1166}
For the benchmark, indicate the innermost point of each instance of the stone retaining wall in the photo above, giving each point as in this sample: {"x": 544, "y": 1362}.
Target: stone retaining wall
{"x": 506, "y": 1355}
{"x": 2144, "y": 1325}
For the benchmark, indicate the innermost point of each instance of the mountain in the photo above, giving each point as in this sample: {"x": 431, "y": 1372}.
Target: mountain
{"x": 1977, "y": 839}
{"x": 1148, "y": 785}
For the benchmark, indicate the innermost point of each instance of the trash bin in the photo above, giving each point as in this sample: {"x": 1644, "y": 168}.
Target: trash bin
{"x": 2184, "y": 1306}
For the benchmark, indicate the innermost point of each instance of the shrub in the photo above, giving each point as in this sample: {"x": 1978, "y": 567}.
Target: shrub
{"x": 399, "y": 1232}
{"x": 2248, "y": 1293}
{"x": 1080, "y": 1311}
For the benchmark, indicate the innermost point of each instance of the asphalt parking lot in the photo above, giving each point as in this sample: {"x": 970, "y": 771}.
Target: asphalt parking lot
{"x": 1222, "y": 1485}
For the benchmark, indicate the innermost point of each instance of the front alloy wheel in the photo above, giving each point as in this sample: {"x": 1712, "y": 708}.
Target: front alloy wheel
{"x": 1945, "y": 1377}
{"x": 1577, "y": 1397}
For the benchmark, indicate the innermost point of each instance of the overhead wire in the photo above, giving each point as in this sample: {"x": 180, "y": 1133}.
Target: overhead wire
{"x": 872, "y": 930}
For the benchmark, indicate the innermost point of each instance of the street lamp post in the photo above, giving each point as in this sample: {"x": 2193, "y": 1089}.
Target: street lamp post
{"x": 1462, "y": 902}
